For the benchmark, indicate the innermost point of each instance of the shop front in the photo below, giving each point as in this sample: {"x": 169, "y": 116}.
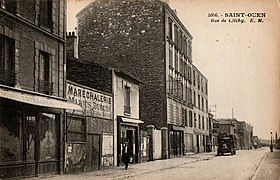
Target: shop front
{"x": 128, "y": 131}
{"x": 31, "y": 134}
{"x": 176, "y": 140}
{"x": 89, "y": 139}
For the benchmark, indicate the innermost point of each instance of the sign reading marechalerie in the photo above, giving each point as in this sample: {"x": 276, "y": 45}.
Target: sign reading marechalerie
{"x": 94, "y": 103}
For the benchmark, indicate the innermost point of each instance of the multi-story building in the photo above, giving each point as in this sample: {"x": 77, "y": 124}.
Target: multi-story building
{"x": 146, "y": 39}
{"x": 200, "y": 110}
{"x": 32, "y": 87}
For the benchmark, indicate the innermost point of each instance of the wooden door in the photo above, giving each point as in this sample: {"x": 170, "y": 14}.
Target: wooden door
{"x": 94, "y": 152}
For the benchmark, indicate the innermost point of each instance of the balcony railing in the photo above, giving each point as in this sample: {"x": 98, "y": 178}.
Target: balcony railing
{"x": 45, "y": 87}
{"x": 7, "y": 77}
{"x": 127, "y": 109}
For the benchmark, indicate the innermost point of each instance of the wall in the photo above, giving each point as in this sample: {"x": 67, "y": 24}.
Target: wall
{"x": 121, "y": 34}
{"x": 46, "y": 40}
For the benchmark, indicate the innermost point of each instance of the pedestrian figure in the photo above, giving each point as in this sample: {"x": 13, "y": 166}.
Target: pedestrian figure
{"x": 125, "y": 155}
{"x": 271, "y": 148}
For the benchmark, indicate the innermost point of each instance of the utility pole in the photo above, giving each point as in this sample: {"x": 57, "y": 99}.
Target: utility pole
{"x": 232, "y": 112}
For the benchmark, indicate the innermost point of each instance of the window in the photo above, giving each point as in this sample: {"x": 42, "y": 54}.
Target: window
{"x": 7, "y": 61}
{"x": 170, "y": 28}
{"x": 202, "y": 103}
{"x": 194, "y": 77}
{"x": 45, "y": 84}
{"x": 45, "y": 13}
{"x": 9, "y": 5}
{"x": 202, "y": 83}
{"x": 171, "y": 84}
{"x": 198, "y": 98}
{"x": 176, "y": 61}
{"x": 176, "y": 35}
{"x": 194, "y": 98}
{"x": 195, "y": 120}
{"x": 186, "y": 117}
{"x": 127, "y": 107}
{"x": 181, "y": 92}
{"x": 206, "y": 102}
{"x": 189, "y": 50}
{"x": 203, "y": 125}
{"x": 48, "y": 136}
{"x": 206, "y": 87}
{"x": 182, "y": 65}
{"x": 184, "y": 122}
{"x": 191, "y": 119}
{"x": 170, "y": 56}
{"x": 10, "y": 133}
{"x": 198, "y": 81}
{"x": 180, "y": 39}
{"x": 76, "y": 129}
{"x": 199, "y": 122}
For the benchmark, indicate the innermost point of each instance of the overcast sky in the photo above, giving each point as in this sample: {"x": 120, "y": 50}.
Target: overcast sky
{"x": 240, "y": 60}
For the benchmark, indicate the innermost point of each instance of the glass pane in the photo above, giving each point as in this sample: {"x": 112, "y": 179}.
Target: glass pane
{"x": 30, "y": 137}
{"x": 48, "y": 136}
{"x": 10, "y": 141}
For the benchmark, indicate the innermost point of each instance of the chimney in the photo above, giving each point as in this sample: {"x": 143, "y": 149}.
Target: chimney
{"x": 71, "y": 45}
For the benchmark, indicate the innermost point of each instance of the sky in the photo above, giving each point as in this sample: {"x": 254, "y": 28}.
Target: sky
{"x": 240, "y": 60}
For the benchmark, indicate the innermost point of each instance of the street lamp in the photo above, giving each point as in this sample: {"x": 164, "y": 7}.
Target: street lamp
{"x": 271, "y": 146}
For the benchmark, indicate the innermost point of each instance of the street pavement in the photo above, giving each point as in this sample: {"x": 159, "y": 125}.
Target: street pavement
{"x": 270, "y": 167}
{"x": 247, "y": 164}
{"x": 135, "y": 169}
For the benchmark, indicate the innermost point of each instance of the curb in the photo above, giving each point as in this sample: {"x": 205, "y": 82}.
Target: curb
{"x": 159, "y": 169}
{"x": 259, "y": 167}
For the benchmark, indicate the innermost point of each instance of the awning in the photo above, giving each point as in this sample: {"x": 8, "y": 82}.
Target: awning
{"x": 131, "y": 120}
{"x": 37, "y": 100}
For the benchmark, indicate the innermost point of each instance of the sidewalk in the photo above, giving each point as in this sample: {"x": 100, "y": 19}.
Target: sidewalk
{"x": 135, "y": 169}
{"x": 270, "y": 167}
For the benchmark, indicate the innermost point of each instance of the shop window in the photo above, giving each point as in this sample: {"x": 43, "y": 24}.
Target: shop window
{"x": 76, "y": 129}
{"x": 44, "y": 82}
{"x": 127, "y": 108}
{"x": 7, "y": 61}
{"x": 45, "y": 14}
{"x": 30, "y": 134}
{"x": 10, "y": 133}
{"x": 48, "y": 136}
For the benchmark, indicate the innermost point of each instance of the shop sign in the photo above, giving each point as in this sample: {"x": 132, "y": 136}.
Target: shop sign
{"x": 93, "y": 102}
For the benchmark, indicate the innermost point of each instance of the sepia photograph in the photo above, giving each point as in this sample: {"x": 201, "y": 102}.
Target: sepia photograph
{"x": 140, "y": 89}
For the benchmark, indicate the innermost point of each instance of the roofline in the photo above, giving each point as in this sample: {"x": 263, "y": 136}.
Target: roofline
{"x": 85, "y": 8}
{"x": 83, "y": 61}
{"x": 197, "y": 70}
{"x": 177, "y": 19}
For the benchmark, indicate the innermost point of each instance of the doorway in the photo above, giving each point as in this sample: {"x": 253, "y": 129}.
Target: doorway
{"x": 197, "y": 143}
{"x": 94, "y": 152}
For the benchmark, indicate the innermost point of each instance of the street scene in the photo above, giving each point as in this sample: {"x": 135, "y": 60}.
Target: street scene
{"x": 256, "y": 165}
{"x": 139, "y": 89}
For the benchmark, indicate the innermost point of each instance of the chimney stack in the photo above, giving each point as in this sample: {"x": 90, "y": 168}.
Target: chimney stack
{"x": 71, "y": 45}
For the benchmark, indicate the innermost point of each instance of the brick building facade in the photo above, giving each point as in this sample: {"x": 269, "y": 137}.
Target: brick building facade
{"x": 146, "y": 39}
{"x": 32, "y": 87}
